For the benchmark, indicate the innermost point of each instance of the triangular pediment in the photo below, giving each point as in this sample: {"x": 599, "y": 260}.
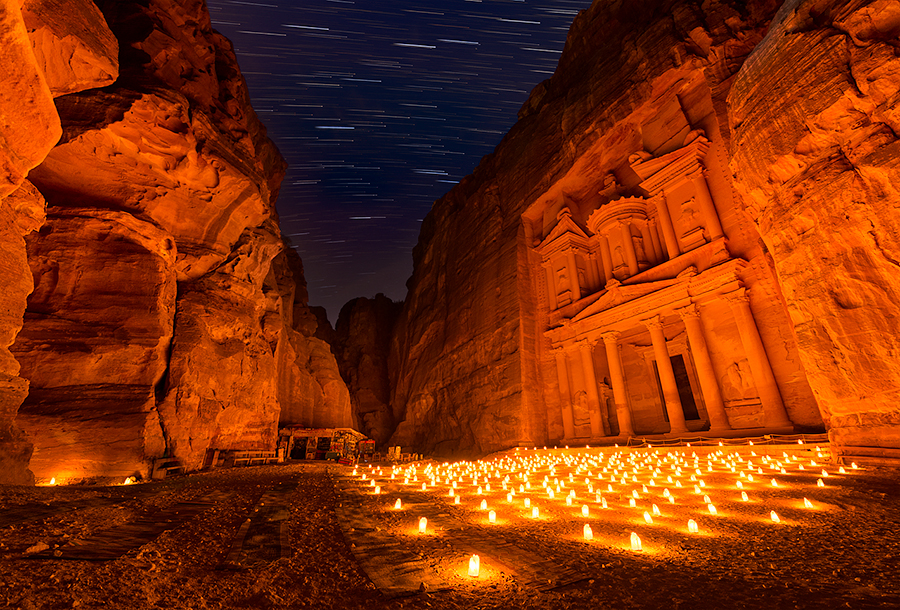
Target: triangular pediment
{"x": 566, "y": 229}
{"x": 618, "y": 294}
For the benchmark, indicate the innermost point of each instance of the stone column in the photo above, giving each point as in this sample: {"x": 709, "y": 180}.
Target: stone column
{"x": 707, "y": 207}
{"x": 606, "y": 257}
{"x": 628, "y": 244}
{"x": 551, "y": 287}
{"x": 665, "y": 223}
{"x": 760, "y": 367}
{"x": 590, "y": 381}
{"x": 573, "y": 275}
{"x": 666, "y": 376}
{"x": 709, "y": 383}
{"x": 565, "y": 395}
{"x": 617, "y": 376}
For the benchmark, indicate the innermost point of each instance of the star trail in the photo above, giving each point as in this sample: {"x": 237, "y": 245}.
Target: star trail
{"x": 379, "y": 108}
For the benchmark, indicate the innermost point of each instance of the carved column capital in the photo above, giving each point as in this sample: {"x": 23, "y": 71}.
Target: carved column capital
{"x": 586, "y": 343}
{"x": 610, "y": 337}
{"x": 653, "y": 323}
{"x": 738, "y": 297}
{"x": 689, "y": 311}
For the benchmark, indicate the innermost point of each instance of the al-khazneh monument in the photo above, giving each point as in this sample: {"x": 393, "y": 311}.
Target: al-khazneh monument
{"x": 654, "y": 304}
{"x": 691, "y": 229}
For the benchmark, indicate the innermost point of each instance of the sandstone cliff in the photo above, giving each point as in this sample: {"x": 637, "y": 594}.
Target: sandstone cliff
{"x": 166, "y": 318}
{"x": 362, "y": 346}
{"x": 814, "y": 117}
{"x": 473, "y": 369}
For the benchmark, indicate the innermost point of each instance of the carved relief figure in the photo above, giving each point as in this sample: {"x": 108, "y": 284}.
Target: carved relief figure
{"x": 582, "y": 414}
{"x": 692, "y": 233}
{"x": 737, "y": 383}
{"x": 563, "y": 288}
{"x": 639, "y": 249}
{"x": 618, "y": 257}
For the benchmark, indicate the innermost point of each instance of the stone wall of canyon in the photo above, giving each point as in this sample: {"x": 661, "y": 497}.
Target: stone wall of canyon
{"x": 167, "y": 316}
{"x": 798, "y": 103}
{"x": 816, "y": 158}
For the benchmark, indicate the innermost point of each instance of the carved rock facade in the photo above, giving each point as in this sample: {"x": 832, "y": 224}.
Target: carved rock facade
{"x": 690, "y": 228}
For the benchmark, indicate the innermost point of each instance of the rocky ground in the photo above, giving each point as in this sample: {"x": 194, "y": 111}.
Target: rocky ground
{"x": 844, "y": 555}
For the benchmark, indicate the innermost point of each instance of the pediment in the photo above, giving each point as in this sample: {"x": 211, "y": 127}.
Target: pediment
{"x": 566, "y": 229}
{"x": 693, "y": 152}
{"x": 618, "y": 294}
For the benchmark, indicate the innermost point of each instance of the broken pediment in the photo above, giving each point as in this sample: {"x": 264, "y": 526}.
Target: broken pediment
{"x": 659, "y": 172}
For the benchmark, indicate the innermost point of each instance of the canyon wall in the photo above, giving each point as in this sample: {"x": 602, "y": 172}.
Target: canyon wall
{"x": 167, "y": 316}
{"x": 362, "y": 343}
{"x": 798, "y": 105}
{"x": 815, "y": 154}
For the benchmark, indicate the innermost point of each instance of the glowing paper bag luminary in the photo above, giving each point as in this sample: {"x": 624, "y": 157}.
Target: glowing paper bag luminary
{"x": 474, "y": 566}
{"x": 635, "y": 542}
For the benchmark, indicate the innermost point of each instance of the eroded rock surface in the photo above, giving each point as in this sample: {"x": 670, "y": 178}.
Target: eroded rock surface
{"x": 815, "y": 154}
{"x": 362, "y": 343}
{"x": 30, "y": 128}
{"x": 482, "y": 355}
{"x": 165, "y": 320}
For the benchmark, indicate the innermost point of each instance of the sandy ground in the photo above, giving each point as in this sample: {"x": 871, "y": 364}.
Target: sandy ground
{"x": 844, "y": 554}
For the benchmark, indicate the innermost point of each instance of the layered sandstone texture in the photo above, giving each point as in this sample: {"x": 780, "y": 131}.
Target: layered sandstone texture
{"x": 29, "y": 127}
{"x": 815, "y": 154}
{"x": 362, "y": 345}
{"x": 473, "y": 369}
{"x": 166, "y": 319}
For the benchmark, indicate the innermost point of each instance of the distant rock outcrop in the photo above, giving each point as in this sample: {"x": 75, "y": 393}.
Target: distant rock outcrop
{"x": 167, "y": 316}
{"x": 362, "y": 345}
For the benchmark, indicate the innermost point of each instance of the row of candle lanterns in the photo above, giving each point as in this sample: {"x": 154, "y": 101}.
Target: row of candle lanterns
{"x": 617, "y": 468}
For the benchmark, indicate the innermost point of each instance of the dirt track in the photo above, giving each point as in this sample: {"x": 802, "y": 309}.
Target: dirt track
{"x": 845, "y": 557}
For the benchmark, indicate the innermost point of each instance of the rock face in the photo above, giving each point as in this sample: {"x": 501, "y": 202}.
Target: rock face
{"x": 166, "y": 317}
{"x": 362, "y": 344}
{"x": 30, "y": 129}
{"x": 814, "y": 116}
{"x": 797, "y": 109}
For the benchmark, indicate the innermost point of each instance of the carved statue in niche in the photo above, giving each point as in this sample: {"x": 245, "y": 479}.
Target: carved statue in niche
{"x": 692, "y": 233}
{"x": 618, "y": 257}
{"x": 639, "y": 249}
{"x": 737, "y": 382}
{"x": 581, "y": 410}
{"x": 581, "y": 280}
{"x": 563, "y": 288}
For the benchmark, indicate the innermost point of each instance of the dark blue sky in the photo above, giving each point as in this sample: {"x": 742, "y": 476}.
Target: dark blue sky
{"x": 379, "y": 108}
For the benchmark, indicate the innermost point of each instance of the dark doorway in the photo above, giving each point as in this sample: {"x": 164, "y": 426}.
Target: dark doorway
{"x": 688, "y": 404}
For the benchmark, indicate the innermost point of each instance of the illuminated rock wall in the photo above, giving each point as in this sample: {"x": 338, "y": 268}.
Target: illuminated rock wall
{"x": 815, "y": 155}
{"x": 473, "y": 367}
{"x": 362, "y": 343}
{"x": 166, "y": 317}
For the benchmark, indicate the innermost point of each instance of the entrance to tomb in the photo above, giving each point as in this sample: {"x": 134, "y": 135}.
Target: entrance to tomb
{"x": 688, "y": 404}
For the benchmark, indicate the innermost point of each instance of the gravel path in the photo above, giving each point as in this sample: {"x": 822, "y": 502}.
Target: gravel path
{"x": 293, "y": 553}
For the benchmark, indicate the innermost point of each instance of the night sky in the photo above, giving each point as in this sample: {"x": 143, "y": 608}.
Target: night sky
{"x": 379, "y": 108}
